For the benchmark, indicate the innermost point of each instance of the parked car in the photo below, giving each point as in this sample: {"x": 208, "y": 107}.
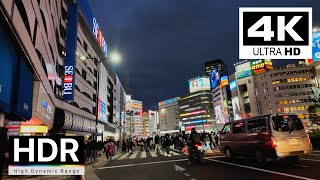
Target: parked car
{"x": 266, "y": 137}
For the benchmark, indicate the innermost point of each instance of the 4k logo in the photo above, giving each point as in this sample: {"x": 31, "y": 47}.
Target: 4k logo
{"x": 275, "y": 33}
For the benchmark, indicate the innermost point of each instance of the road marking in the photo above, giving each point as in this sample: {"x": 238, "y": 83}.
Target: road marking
{"x": 178, "y": 168}
{"x": 316, "y": 151}
{"x": 263, "y": 170}
{"x": 186, "y": 174}
{"x": 116, "y": 156}
{"x": 192, "y": 179}
{"x": 299, "y": 165}
{"x": 141, "y": 164}
{"x": 211, "y": 157}
{"x": 143, "y": 154}
{"x": 134, "y": 155}
{"x": 174, "y": 153}
{"x": 309, "y": 159}
{"x": 123, "y": 156}
{"x": 153, "y": 154}
{"x": 314, "y": 154}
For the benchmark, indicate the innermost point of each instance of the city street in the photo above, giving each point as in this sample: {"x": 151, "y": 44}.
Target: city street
{"x": 146, "y": 165}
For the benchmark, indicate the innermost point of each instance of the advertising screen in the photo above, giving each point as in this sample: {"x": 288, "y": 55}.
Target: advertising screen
{"x": 243, "y": 70}
{"x": 233, "y": 85}
{"x": 214, "y": 78}
{"x": 236, "y": 108}
{"x": 169, "y": 101}
{"x": 316, "y": 46}
{"x": 260, "y": 66}
{"x": 224, "y": 81}
{"x": 199, "y": 84}
{"x": 102, "y": 111}
{"x": 163, "y": 114}
{"x": 217, "y": 110}
{"x": 268, "y": 64}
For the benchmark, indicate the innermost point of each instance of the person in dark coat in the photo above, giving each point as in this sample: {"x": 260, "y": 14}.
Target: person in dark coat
{"x": 166, "y": 144}
{"x": 4, "y": 148}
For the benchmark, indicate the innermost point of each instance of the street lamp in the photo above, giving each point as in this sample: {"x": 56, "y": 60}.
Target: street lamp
{"x": 115, "y": 57}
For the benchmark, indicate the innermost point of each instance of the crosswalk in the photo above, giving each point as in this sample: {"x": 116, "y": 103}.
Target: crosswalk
{"x": 142, "y": 154}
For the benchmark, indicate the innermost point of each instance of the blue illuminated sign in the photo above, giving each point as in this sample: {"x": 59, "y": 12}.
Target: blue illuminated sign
{"x": 233, "y": 85}
{"x": 70, "y": 61}
{"x": 214, "y": 78}
{"x": 316, "y": 46}
{"x": 168, "y": 101}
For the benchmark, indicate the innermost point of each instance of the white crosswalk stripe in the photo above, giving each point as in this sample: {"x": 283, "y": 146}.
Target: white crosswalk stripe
{"x": 174, "y": 153}
{"x": 153, "y": 154}
{"x": 143, "y": 154}
{"x": 134, "y": 155}
{"x": 124, "y": 156}
{"x": 116, "y": 156}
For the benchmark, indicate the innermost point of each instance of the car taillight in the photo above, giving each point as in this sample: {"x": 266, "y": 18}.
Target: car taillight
{"x": 274, "y": 143}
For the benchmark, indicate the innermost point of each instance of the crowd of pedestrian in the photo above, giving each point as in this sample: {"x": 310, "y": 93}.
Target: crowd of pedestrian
{"x": 160, "y": 144}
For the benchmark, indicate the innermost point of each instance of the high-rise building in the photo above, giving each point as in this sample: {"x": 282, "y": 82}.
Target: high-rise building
{"x": 286, "y": 90}
{"x": 196, "y": 109}
{"x": 244, "y": 96}
{"x": 120, "y": 104}
{"x": 221, "y": 97}
{"x": 169, "y": 115}
{"x": 64, "y": 90}
{"x": 218, "y": 64}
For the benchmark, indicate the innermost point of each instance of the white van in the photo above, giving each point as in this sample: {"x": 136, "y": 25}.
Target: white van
{"x": 289, "y": 136}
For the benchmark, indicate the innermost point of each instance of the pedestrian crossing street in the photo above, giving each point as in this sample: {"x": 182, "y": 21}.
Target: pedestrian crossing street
{"x": 141, "y": 155}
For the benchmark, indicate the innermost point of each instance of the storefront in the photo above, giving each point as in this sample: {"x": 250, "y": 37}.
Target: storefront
{"x": 109, "y": 131}
{"x": 68, "y": 123}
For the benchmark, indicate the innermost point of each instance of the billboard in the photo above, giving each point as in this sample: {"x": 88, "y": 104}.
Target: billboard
{"x": 316, "y": 46}
{"x": 261, "y": 66}
{"x": 169, "y": 101}
{"x": 214, "y": 78}
{"x": 102, "y": 111}
{"x": 236, "y": 108}
{"x": 217, "y": 110}
{"x": 70, "y": 61}
{"x": 137, "y": 105}
{"x": 243, "y": 70}
{"x": 224, "y": 81}
{"x": 233, "y": 85}
{"x": 199, "y": 84}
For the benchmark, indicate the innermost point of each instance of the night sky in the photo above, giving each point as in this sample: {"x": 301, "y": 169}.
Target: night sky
{"x": 164, "y": 43}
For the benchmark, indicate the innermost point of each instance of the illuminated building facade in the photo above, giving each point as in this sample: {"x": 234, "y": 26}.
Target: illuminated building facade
{"x": 243, "y": 87}
{"x": 219, "y": 82}
{"x": 286, "y": 90}
{"x": 196, "y": 109}
{"x": 169, "y": 116}
{"x": 62, "y": 82}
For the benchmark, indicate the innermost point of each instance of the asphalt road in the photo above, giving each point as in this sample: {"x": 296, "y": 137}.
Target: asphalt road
{"x": 146, "y": 166}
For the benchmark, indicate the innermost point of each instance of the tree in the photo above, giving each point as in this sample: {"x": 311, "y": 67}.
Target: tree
{"x": 314, "y": 112}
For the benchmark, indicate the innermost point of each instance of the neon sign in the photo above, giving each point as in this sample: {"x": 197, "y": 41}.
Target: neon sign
{"x": 98, "y": 34}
